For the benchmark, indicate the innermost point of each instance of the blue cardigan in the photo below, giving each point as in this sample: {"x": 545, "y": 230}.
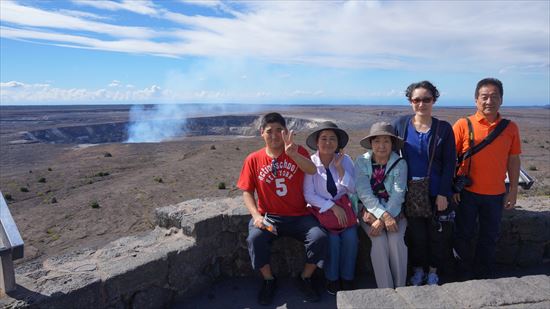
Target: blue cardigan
{"x": 395, "y": 184}
{"x": 445, "y": 155}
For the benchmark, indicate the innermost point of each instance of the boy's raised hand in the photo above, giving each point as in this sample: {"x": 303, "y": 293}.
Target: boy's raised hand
{"x": 291, "y": 149}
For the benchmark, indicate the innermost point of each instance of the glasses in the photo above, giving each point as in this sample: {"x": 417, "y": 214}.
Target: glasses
{"x": 425, "y": 100}
{"x": 274, "y": 167}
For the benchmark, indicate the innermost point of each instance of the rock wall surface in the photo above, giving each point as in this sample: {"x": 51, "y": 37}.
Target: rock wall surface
{"x": 199, "y": 241}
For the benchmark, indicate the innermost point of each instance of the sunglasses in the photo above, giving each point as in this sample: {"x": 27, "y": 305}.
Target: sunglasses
{"x": 425, "y": 100}
{"x": 274, "y": 167}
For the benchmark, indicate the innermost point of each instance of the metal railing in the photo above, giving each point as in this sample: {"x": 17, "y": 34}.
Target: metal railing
{"x": 525, "y": 181}
{"x": 11, "y": 247}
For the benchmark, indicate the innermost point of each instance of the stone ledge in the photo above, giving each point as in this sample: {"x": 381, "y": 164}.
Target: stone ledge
{"x": 524, "y": 292}
{"x": 199, "y": 241}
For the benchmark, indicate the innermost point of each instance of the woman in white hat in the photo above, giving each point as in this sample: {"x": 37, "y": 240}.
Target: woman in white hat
{"x": 332, "y": 182}
{"x": 381, "y": 183}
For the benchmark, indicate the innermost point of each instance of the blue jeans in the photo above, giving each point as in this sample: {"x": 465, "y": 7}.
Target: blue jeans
{"x": 342, "y": 254}
{"x": 487, "y": 209}
{"x": 302, "y": 228}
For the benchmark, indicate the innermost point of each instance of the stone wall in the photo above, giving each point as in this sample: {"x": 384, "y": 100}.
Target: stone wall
{"x": 196, "y": 243}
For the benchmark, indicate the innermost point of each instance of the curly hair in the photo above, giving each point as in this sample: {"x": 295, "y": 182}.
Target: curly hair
{"x": 423, "y": 84}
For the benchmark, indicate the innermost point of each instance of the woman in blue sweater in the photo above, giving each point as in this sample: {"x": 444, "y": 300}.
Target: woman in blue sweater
{"x": 428, "y": 239}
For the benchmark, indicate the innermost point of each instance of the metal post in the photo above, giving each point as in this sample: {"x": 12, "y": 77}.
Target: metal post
{"x": 11, "y": 248}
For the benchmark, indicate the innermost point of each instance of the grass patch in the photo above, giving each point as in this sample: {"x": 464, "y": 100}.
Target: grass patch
{"x": 101, "y": 174}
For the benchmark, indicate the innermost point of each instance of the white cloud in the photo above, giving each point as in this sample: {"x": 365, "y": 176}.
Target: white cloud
{"x": 18, "y": 92}
{"x": 82, "y": 14}
{"x": 114, "y": 83}
{"x": 205, "y": 3}
{"x": 144, "y": 7}
{"x": 440, "y": 36}
{"x": 26, "y": 16}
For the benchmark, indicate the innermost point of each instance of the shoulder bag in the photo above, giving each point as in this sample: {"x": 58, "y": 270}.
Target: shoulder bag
{"x": 417, "y": 199}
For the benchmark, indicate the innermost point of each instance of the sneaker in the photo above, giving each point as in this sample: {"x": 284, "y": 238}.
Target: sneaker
{"x": 348, "y": 285}
{"x": 433, "y": 279}
{"x": 306, "y": 286}
{"x": 265, "y": 297}
{"x": 418, "y": 278}
{"x": 332, "y": 287}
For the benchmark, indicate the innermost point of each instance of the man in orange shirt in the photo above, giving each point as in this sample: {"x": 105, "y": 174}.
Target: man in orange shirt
{"x": 486, "y": 197}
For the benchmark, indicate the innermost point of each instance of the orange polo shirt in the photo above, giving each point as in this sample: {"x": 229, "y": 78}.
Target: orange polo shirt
{"x": 489, "y": 166}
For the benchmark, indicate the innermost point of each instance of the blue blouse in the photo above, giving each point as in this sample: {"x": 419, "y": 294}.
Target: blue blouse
{"x": 416, "y": 146}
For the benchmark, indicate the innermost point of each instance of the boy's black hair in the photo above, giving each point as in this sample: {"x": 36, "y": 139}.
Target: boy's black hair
{"x": 272, "y": 118}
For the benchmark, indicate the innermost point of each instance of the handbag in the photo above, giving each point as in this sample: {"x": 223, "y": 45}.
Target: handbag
{"x": 329, "y": 221}
{"x": 417, "y": 199}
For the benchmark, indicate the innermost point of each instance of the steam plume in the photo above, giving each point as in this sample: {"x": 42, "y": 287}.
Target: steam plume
{"x": 156, "y": 124}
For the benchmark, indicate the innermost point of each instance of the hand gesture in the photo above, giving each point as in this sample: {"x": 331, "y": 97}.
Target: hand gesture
{"x": 258, "y": 221}
{"x": 376, "y": 228}
{"x": 389, "y": 221}
{"x": 368, "y": 218}
{"x": 456, "y": 198}
{"x": 511, "y": 198}
{"x": 291, "y": 149}
{"x": 340, "y": 215}
{"x": 339, "y": 157}
{"x": 441, "y": 202}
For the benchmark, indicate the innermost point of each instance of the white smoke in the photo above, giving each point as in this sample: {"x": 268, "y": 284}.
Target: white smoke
{"x": 156, "y": 124}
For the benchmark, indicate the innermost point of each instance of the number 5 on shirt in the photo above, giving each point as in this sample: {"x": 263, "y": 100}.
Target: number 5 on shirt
{"x": 281, "y": 186}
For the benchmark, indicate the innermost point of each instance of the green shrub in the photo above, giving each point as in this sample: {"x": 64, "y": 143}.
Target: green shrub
{"x": 53, "y": 200}
{"x": 532, "y": 168}
{"x": 49, "y": 169}
{"x": 213, "y": 147}
{"x": 42, "y": 180}
{"x": 107, "y": 155}
{"x": 94, "y": 204}
{"x": 221, "y": 185}
{"x": 102, "y": 174}
{"x": 24, "y": 189}
{"x": 8, "y": 196}
{"x": 158, "y": 179}
{"x": 525, "y": 141}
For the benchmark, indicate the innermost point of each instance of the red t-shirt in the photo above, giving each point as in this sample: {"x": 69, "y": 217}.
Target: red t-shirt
{"x": 282, "y": 194}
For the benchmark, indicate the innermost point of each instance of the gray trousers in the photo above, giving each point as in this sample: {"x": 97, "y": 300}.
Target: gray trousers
{"x": 389, "y": 256}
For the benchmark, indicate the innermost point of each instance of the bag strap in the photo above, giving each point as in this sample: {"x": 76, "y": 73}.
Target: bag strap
{"x": 486, "y": 141}
{"x": 433, "y": 148}
{"x": 390, "y": 168}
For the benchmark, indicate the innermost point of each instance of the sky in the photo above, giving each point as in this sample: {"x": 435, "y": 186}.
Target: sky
{"x": 269, "y": 52}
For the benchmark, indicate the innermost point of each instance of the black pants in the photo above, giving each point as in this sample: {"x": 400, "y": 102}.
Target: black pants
{"x": 487, "y": 209}
{"x": 430, "y": 242}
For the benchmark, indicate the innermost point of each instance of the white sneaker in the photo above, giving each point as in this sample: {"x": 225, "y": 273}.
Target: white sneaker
{"x": 418, "y": 277}
{"x": 433, "y": 279}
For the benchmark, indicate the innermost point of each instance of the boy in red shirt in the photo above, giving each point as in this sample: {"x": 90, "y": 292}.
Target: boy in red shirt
{"x": 276, "y": 174}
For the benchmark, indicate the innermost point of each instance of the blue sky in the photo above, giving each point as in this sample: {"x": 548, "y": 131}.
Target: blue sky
{"x": 265, "y": 52}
